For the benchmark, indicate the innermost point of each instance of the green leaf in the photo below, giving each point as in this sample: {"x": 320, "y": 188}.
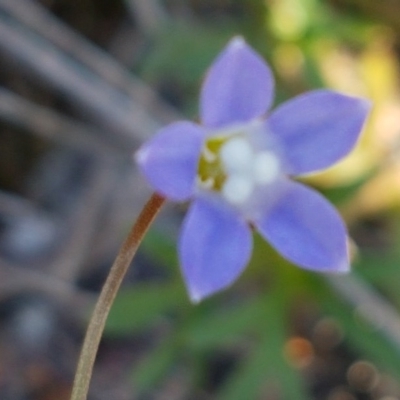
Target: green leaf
{"x": 184, "y": 51}
{"x": 161, "y": 248}
{"x": 267, "y": 364}
{"x": 155, "y": 366}
{"x": 142, "y": 305}
{"x": 366, "y": 339}
{"x": 223, "y": 325}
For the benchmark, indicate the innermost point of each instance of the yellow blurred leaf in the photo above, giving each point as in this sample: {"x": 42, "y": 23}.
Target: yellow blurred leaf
{"x": 378, "y": 194}
{"x": 373, "y": 74}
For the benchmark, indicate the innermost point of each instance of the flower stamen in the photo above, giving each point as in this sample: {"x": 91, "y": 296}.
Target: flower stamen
{"x": 237, "y": 189}
{"x": 232, "y": 165}
{"x": 266, "y": 167}
{"x": 236, "y": 154}
{"x": 211, "y": 175}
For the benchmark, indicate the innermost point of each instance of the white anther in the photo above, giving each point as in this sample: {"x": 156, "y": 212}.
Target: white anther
{"x": 208, "y": 155}
{"x": 265, "y": 167}
{"x": 237, "y": 189}
{"x": 206, "y": 184}
{"x": 236, "y": 155}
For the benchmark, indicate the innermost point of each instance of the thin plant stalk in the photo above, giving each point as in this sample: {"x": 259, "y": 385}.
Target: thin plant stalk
{"x": 108, "y": 293}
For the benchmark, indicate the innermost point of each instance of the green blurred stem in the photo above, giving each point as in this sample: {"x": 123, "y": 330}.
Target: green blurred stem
{"x": 108, "y": 294}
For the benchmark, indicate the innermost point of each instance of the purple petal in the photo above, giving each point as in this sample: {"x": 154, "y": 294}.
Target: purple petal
{"x": 169, "y": 160}
{"x": 215, "y": 246}
{"x": 318, "y": 128}
{"x": 238, "y": 87}
{"x": 307, "y": 230}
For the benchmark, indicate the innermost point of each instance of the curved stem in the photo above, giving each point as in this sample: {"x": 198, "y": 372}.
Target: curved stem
{"x": 108, "y": 293}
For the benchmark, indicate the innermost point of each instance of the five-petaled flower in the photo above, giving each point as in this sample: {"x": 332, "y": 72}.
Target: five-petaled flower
{"x": 236, "y": 165}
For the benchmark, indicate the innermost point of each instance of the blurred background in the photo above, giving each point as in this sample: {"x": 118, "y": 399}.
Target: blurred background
{"x": 82, "y": 84}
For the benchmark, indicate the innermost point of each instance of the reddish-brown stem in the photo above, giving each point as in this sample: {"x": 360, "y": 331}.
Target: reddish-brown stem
{"x": 108, "y": 293}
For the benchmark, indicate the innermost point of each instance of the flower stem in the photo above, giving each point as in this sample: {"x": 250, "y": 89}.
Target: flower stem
{"x": 108, "y": 293}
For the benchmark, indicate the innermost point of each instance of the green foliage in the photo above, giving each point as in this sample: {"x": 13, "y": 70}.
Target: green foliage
{"x": 143, "y": 305}
{"x": 370, "y": 341}
{"x": 266, "y": 363}
{"x": 157, "y": 363}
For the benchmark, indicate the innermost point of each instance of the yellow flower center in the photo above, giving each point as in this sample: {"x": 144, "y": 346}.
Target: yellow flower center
{"x": 210, "y": 173}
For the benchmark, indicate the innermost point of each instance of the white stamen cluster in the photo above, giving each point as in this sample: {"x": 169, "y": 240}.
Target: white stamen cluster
{"x": 246, "y": 168}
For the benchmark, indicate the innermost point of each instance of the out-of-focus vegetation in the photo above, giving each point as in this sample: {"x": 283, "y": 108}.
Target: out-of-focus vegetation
{"x": 277, "y": 333}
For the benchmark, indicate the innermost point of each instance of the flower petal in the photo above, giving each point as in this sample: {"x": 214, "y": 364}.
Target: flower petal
{"x": 238, "y": 87}
{"x": 215, "y": 246}
{"x": 307, "y": 230}
{"x": 318, "y": 128}
{"x": 169, "y": 160}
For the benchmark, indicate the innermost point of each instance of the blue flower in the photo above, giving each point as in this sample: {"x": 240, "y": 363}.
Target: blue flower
{"x": 236, "y": 166}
